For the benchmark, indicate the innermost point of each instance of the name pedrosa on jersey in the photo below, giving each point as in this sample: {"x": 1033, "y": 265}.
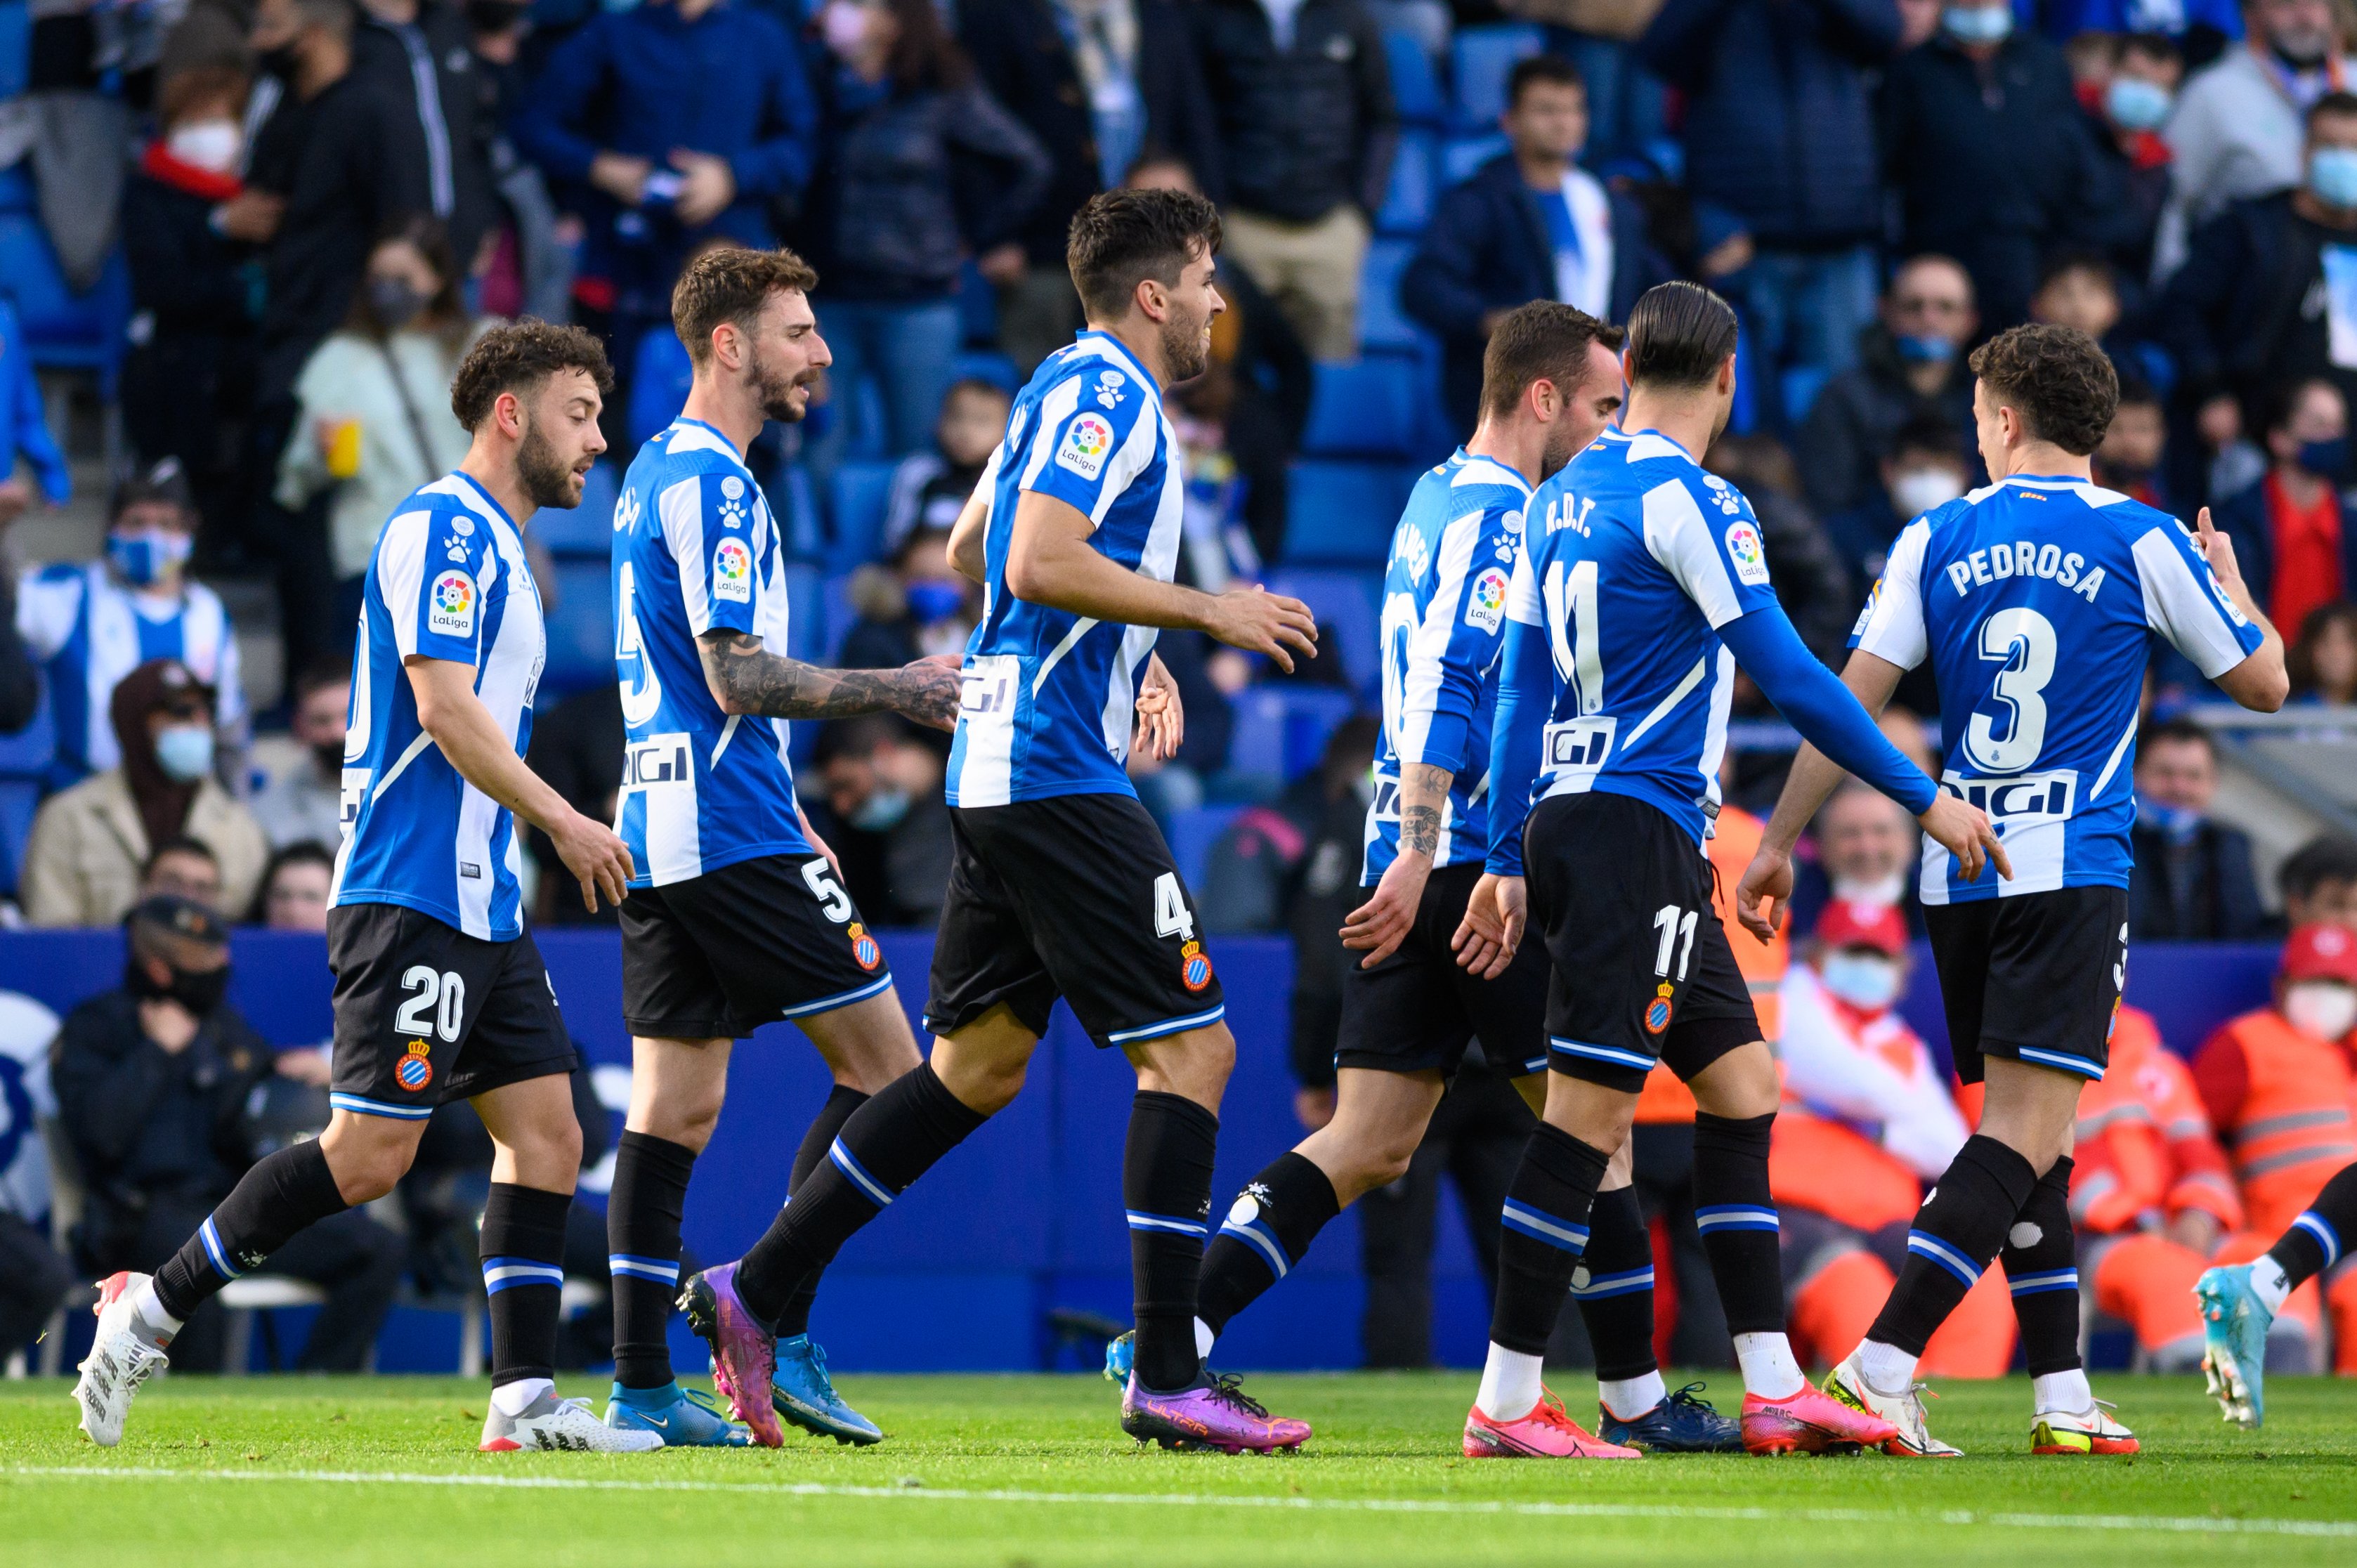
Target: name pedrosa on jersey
{"x": 2023, "y": 559}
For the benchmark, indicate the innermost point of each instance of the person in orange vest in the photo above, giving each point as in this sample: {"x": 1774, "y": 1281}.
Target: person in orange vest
{"x": 2152, "y": 1196}
{"x": 2279, "y": 1084}
{"x": 1867, "y": 1118}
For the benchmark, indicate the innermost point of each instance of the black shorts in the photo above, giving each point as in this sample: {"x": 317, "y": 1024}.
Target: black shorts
{"x": 1075, "y": 896}
{"x": 425, "y": 1013}
{"x": 1415, "y": 1011}
{"x": 2035, "y": 978}
{"x": 725, "y": 953}
{"x": 1642, "y": 971}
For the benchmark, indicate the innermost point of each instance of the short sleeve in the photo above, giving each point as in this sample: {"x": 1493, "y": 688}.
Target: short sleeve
{"x": 430, "y": 568}
{"x": 1523, "y": 602}
{"x": 708, "y": 525}
{"x": 1891, "y": 625}
{"x": 1090, "y": 440}
{"x": 1704, "y": 535}
{"x": 2184, "y": 601}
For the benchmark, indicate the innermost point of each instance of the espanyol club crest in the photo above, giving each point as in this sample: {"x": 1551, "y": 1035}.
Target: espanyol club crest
{"x": 1657, "y": 1011}
{"x": 864, "y": 949}
{"x": 1194, "y": 966}
{"x": 414, "y": 1073}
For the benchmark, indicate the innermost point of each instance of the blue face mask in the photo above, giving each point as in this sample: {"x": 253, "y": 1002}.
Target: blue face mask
{"x": 2326, "y": 459}
{"x": 2135, "y": 104}
{"x": 2176, "y": 823}
{"x": 148, "y": 555}
{"x": 882, "y": 811}
{"x": 932, "y": 601}
{"x": 185, "y": 752}
{"x": 1979, "y": 24}
{"x": 1866, "y": 981}
{"x": 2332, "y": 176}
{"x": 1924, "y": 349}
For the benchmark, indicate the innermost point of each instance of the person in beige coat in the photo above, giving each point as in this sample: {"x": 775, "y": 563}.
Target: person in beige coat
{"x": 82, "y": 862}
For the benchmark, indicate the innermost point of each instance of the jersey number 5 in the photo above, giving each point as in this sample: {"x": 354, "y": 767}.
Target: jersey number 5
{"x": 833, "y": 901}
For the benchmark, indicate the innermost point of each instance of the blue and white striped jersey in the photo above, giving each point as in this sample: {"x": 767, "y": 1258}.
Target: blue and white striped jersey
{"x": 1049, "y": 696}
{"x": 2035, "y": 599}
{"x": 1444, "y": 614}
{"x": 1633, "y": 557}
{"x": 694, "y": 551}
{"x": 449, "y": 581}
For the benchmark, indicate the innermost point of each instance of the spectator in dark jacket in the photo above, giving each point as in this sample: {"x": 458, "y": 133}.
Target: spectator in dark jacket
{"x": 1306, "y": 131}
{"x": 905, "y": 123}
{"x": 1991, "y": 156}
{"x": 1100, "y": 83}
{"x": 419, "y": 54}
{"x": 2125, "y": 102}
{"x": 2295, "y": 531}
{"x": 2193, "y": 879}
{"x": 1812, "y": 583}
{"x": 1910, "y": 366}
{"x": 1780, "y": 130}
{"x": 1530, "y": 225}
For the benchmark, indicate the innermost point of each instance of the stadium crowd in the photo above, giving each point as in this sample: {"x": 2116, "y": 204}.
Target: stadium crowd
{"x": 273, "y": 227}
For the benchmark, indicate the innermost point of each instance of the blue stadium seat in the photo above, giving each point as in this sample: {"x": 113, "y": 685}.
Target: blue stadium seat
{"x": 15, "y": 49}
{"x": 857, "y": 493}
{"x": 17, "y": 192}
{"x": 1407, "y": 204}
{"x": 25, "y": 759}
{"x": 1800, "y": 386}
{"x": 661, "y": 374}
{"x": 986, "y": 365}
{"x": 807, "y": 636}
{"x": 1367, "y": 408}
{"x": 1348, "y": 604}
{"x": 1192, "y": 834}
{"x": 580, "y": 630}
{"x": 1281, "y": 729}
{"x": 1484, "y": 57}
{"x": 586, "y": 532}
{"x": 1415, "y": 86}
{"x": 836, "y": 614}
{"x": 1382, "y": 323}
{"x": 1461, "y": 156}
{"x": 65, "y": 331}
{"x": 1343, "y": 513}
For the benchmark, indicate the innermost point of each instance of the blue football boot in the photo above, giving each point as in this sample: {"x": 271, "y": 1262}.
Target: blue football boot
{"x": 2235, "y": 1342}
{"x": 683, "y": 1418}
{"x": 1121, "y": 1354}
{"x": 1680, "y": 1423}
{"x": 805, "y": 1395}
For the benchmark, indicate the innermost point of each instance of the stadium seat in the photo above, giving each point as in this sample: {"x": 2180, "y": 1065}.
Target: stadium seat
{"x": 834, "y": 612}
{"x": 1461, "y": 156}
{"x": 810, "y": 636}
{"x": 587, "y": 531}
{"x": 857, "y": 494}
{"x": 1281, "y": 729}
{"x": 986, "y": 365}
{"x": 65, "y": 331}
{"x": 1367, "y": 408}
{"x": 25, "y": 759}
{"x": 1415, "y": 86}
{"x": 1382, "y": 323}
{"x": 1348, "y": 604}
{"x": 17, "y": 192}
{"x": 1343, "y": 513}
{"x": 1192, "y": 834}
{"x": 1801, "y": 385}
{"x": 580, "y": 630}
{"x": 1483, "y": 58}
{"x": 661, "y": 373}
{"x": 1407, "y": 203}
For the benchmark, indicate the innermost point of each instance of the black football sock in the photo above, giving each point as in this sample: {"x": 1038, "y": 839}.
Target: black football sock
{"x": 284, "y": 1192}
{"x": 1737, "y": 1216}
{"x": 524, "y": 1273}
{"x": 1959, "y": 1228}
{"x": 642, "y": 1216}
{"x": 2041, "y": 1265}
{"x": 1275, "y": 1218}
{"x": 1166, "y": 1187}
{"x": 1614, "y": 1287}
{"x": 2317, "y": 1240}
{"x": 884, "y": 1146}
{"x": 794, "y": 1317}
{"x": 1545, "y": 1222}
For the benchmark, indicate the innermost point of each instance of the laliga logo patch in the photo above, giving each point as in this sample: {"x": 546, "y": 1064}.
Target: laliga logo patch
{"x": 864, "y": 950}
{"x": 732, "y": 572}
{"x": 450, "y": 609}
{"x": 1657, "y": 1011}
{"x": 1744, "y": 549}
{"x": 1485, "y": 606}
{"x": 1194, "y": 966}
{"x": 1086, "y": 442}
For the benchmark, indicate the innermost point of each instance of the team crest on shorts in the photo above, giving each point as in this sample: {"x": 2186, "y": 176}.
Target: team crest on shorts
{"x": 414, "y": 1073}
{"x": 864, "y": 949}
{"x": 1194, "y": 966}
{"x": 1657, "y": 1011}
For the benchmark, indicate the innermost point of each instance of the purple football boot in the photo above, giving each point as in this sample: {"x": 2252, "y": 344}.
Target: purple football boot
{"x": 744, "y": 1354}
{"x": 1215, "y": 1413}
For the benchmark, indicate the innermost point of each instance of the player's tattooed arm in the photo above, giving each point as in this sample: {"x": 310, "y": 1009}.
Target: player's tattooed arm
{"x": 1424, "y": 796}
{"x": 1377, "y": 926}
{"x": 745, "y": 677}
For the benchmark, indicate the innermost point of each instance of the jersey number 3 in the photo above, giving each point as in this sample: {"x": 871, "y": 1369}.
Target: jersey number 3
{"x": 2022, "y": 643}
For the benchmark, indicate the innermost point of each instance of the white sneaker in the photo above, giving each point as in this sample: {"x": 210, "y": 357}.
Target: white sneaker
{"x": 1847, "y": 1384}
{"x": 568, "y": 1424}
{"x": 2090, "y": 1431}
{"x": 119, "y": 1361}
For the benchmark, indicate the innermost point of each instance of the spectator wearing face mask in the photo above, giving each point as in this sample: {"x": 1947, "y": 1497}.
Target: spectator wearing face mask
{"x": 930, "y": 488}
{"x": 2134, "y": 457}
{"x": 2323, "y": 661}
{"x": 90, "y": 623}
{"x": 188, "y": 380}
{"x": 154, "y": 1079}
{"x": 2192, "y": 880}
{"x": 1909, "y": 366}
{"x": 2127, "y": 95}
{"x": 915, "y": 605}
{"x": 2293, "y": 535}
{"x": 2319, "y": 883}
{"x": 295, "y": 887}
{"x": 373, "y": 417}
{"x": 90, "y": 845}
{"x": 884, "y": 818}
{"x": 1867, "y": 854}
{"x": 305, "y": 801}
{"x": 1925, "y": 469}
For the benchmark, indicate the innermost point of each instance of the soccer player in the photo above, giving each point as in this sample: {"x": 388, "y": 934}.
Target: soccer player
{"x": 1062, "y": 885}
{"x": 1551, "y": 380}
{"x": 737, "y": 917}
{"x": 2240, "y": 1300}
{"x": 1642, "y": 582}
{"x": 440, "y": 993}
{"x": 2035, "y": 597}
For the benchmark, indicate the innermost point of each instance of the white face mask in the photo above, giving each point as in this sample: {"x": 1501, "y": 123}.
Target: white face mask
{"x": 211, "y": 145}
{"x": 1866, "y": 981}
{"x": 2321, "y": 1009}
{"x": 1887, "y": 889}
{"x": 1918, "y": 490}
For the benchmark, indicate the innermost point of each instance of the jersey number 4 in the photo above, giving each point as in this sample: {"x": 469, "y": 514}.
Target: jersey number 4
{"x": 437, "y": 1006}
{"x": 1171, "y": 915}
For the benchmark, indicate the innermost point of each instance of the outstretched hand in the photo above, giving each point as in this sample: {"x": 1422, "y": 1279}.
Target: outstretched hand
{"x": 1486, "y": 938}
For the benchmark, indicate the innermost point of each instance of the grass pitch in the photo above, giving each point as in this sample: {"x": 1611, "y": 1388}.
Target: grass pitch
{"x": 1030, "y": 1470}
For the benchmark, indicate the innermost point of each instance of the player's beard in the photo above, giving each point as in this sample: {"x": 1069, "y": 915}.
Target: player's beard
{"x": 777, "y": 389}
{"x": 1559, "y": 449}
{"x": 1186, "y": 352}
{"x": 547, "y": 479}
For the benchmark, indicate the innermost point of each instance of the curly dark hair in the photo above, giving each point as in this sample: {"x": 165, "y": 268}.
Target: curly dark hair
{"x": 517, "y": 356}
{"x": 1120, "y": 238}
{"x": 731, "y": 284}
{"x": 2057, "y": 379}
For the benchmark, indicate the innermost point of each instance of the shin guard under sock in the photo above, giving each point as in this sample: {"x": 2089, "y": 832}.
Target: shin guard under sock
{"x": 794, "y": 1317}
{"x": 1545, "y": 1222}
{"x": 642, "y": 1218}
{"x": 2316, "y": 1238}
{"x": 524, "y": 1273}
{"x": 1268, "y": 1229}
{"x": 1959, "y": 1228}
{"x": 1166, "y": 1187}
{"x": 1614, "y": 1287}
{"x": 884, "y": 1146}
{"x": 2042, "y": 1266}
{"x": 1737, "y": 1216}
{"x": 284, "y": 1192}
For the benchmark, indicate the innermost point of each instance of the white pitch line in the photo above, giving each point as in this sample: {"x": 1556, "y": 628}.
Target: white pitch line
{"x": 2156, "y": 1523}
